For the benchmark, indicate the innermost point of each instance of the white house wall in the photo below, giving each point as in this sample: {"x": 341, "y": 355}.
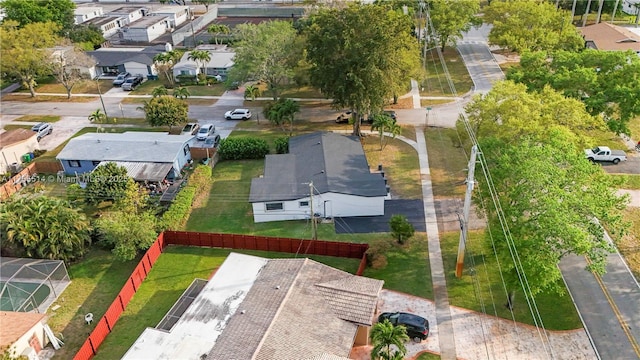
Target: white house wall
{"x": 12, "y": 153}
{"x": 136, "y": 68}
{"x": 22, "y": 345}
{"x": 326, "y": 205}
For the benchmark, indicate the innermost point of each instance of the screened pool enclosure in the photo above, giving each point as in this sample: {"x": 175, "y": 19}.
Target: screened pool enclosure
{"x": 31, "y": 284}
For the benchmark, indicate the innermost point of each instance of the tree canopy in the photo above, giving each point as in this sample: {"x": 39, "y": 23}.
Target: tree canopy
{"x": 165, "y": 62}
{"x": 108, "y": 182}
{"x": 361, "y": 55}
{"x": 531, "y": 25}
{"x": 87, "y": 37}
{"x": 282, "y": 113}
{"x": 40, "y": 11}
{"x": 43, "y": 227}
{"x": 166, "y": 111}
{"x": 451, "y": 18}
{"x": 549, "y": 192}
{"x": 266, "y": 52}
{"x": 66, "y": 67}
{"x": 388, "y": 341}
{"x": 24, "y": 51}
{"x": 127, "y": 232}
{"x": 608, "y": 82}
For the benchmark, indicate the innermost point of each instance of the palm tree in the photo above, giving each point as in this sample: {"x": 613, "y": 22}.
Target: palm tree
{"x": 385, "y": 124}
{"x": 97, "y": 117}
{"x": 181, "y": 93}
{"x": 217, "y": 29}
{"x": 201, "y": 58}
{"x": 165, "y": 63}
{"x": 252, "y": 92}
{"x": 385, "y": 337}
{"x": 159, "y": 91}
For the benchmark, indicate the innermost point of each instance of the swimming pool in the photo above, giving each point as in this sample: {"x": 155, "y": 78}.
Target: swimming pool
{"x": 22, "y": 296}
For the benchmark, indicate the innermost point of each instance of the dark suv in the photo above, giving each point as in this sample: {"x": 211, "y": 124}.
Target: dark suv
{"x": 417, "y": 326}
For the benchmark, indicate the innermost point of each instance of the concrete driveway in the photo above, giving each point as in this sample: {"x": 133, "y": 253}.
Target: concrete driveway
{"x": 481, "y": 336}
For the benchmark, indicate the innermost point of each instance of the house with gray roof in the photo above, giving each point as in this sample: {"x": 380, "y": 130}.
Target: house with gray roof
{"x": 147, "y": 156}
{"x": 258, "y": 308}
{"x": 136, "y": 60}
{"x": 325, "y": 170}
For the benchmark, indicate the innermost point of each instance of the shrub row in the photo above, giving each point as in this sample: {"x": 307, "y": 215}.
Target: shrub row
{"x": 177, "y": 214}
{"x": 243, "y": 148}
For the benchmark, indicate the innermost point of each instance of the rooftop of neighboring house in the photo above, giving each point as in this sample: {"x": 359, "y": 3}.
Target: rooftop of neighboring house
{"x": 86, "y": 10}
{"x": 605, "y": 36}
{"x": 114, "y": 56}
{"x": 257, "y": 308}
{"x": 221, "y": 59}
{"x": 126, "y": 10}
{"x": 146, "y": 22}
{"x": 170, "y": 9}
{"x": 135, "y": 146}
{"x": 333, "y": 162}
{"x": 12, "y": 137}
{"x": 103, "y": 20}
{"x": 13, "y": 325}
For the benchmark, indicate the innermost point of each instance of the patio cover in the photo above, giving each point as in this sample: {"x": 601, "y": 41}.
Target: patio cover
{"x": 144, "y": 171}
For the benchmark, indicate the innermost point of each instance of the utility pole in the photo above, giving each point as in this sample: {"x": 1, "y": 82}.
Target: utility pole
{"x": 464, "y": 222}
{"x": 314, "y": 226}
{"x": 104, "y": 108}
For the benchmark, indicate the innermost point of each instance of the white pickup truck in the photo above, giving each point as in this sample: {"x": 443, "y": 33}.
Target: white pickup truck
{"x": 603, "y": 153}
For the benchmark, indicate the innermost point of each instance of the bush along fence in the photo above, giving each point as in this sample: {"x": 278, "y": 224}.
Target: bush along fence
{"x": 234, "y": 241}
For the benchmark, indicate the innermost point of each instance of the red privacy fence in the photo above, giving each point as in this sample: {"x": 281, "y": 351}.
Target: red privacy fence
{"x": 232, "y": 241}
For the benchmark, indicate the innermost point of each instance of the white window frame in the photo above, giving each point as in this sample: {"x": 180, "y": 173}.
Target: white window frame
{"x": 266, "y": 206}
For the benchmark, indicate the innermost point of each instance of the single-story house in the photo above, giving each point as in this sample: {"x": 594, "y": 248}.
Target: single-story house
{"x": 108, "y": 24}
{"x": 148, "y": 156}
{"x": 609, "y": 37}
{"x": 325, "y": 170}
{"x": 61, "y": 53}
{"x": 129, "y": 13}
{"x": 136, "y": 60}
{"x": 145, "y": 29}
{"x": 631, "y": 7}
{"x": 258, "y": 308}
{"x": 84, "y": 13}
{"x": 23, "y": 333}
{"x": 220, "y": 63}
{"x": 177, "y": 15}
{"x": 14, "y": 144}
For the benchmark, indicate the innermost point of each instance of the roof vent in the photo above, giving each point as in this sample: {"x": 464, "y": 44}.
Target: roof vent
{"x": 156, "y": 142}
{"x": 278, "y": 287}
{"x": 98, "y": 140}
{"x": 242, "y": 312}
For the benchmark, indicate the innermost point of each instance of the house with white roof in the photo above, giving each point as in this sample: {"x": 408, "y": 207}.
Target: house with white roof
{"x": 145, "y": 29}
{"x": 325, "y": 170}
{"x": 84, "y": 13}
{"x": 130, "y": 13}
{"x": 220, "y": 63}
{"x": 177, "y": 15}
{"x": 258, "y": 308}
{"x": 148, "y": 156}
{"x": 108, "y": 24}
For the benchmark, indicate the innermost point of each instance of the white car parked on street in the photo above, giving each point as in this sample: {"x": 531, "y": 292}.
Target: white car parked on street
{"x": 238, "y": 114}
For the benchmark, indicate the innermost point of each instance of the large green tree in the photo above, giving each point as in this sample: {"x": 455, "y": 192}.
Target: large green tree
{"x": 166, "y": 111}
{"x": 40, "y": 11}
{"x": 266, "y": 52}
{"x": 388, "y": 341}
{"x": 361, "y": 56}
{"x": 87, "y": 37}
{"x": 549, "y": 193}
{"x": 218, "y": 29}
{"x": 43, "y": 227}
{"x": 451, "y": 18}
{"x": 282, "y": 113}
{"x": 24, "y": 51}
{"x": 127, "y": 232}
{"x": 608, "y": 82}
{"x": 108, "y": 182}
{"x": 531, "y": 25}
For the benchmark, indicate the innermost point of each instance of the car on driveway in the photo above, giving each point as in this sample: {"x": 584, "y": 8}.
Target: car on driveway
{"x": 344, "y": 117}
{"x": 190, "y": 128}
{"x": 417, "y": 326}
{"x": 42, "y": 129}
{"x": 238, "y": 114}
{"x": 121, "y": 78}
{"x": 131, "y": 82}
{"x": 212, "y": 141}
{"x": 205, "y": 131}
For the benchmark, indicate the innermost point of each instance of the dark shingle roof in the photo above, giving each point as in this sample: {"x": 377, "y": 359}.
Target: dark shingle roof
{"x": 115, "y": 58}
{"x": 279, "y": 316}
{"x": 333, "y": 162}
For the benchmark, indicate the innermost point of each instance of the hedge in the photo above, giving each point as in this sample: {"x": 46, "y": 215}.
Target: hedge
{"x": 243, "y": 148}
{"x": 180, "y": 209}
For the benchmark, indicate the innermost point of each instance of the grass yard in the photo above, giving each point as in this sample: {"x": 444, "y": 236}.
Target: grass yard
{"x": 95, "y": 283}
{"x": 447, "y": 162}
{"x": 430, "y": 102}
{"x": 146, "y": 88}
{"x": 48, "y": 98}
{"x": 435, "y": 84}
{"x": 293, "y": 91}
{"x": 634, "y": 126}
{"x": 176, "y": 268}
{"x": 630, "y": 182}
{"x": 629, "y": 244}
{"x": 51, "y": 86}
{"x": 428, "y": 356}
{"x": 605, "y": 138}
{"x": 12, "y": 127}
{"x": 39, "y": 118}
{"x": 557, "y": 312}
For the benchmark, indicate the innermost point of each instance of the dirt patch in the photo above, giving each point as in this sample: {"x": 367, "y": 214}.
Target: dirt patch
{"x": 404, "y": 103}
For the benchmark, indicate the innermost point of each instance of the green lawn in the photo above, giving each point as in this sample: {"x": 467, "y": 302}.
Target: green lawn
{"x": 95, "y": 283}
{"x": 447, "y": 162}
{"x": 631, "y": 182}
{"x": 176, "y": 268}
{"x": 557, "y": 312}
{"x": 305, "y": 92}
{"x": 39, "y": 118}
{"x": 428, "y": 356}
{"x": 435, "y": 84}
{"x": 51, "y": 86}
{"x": 146, "y": 88}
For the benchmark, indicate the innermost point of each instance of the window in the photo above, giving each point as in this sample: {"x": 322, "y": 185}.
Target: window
{"x": 303, "y": 204}
{"x": 274, "y": 206}
{"x": 185, "y": 150}
{"x": 95, "y": 163}
{"x": 74, "y": 163}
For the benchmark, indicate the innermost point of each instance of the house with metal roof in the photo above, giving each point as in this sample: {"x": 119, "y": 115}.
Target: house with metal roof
{"x": 129, "y": 13}
{"x": 258, "y": 308}
{"x": 323, "y": 170}
{"x": 177, "y": 15}
{"x": 108, "y": 24}
{"x": 136, "y": 60}
{"x": 147, "y": 156}
{"x": 84, "y": 13}
{"x": 145, "y": 29}
{"x": 219, "y": 65}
